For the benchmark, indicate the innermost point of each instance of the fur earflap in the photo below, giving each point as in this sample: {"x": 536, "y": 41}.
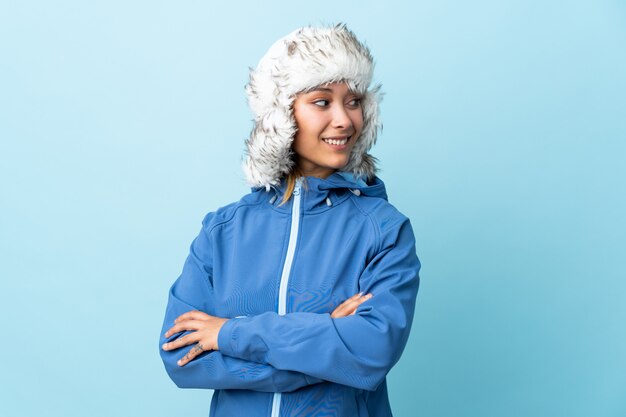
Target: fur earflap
{"x": 305, "y": 59}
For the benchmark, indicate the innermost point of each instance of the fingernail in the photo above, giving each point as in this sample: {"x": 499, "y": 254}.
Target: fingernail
{"x": 368, "y": 296}
{"x": 179, "y": 363}
{"x": 164, "y": 346}
{"x": 361, "y": 294}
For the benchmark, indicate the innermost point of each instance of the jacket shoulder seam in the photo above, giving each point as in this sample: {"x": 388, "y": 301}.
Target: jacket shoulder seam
{"x": 231, "y": 216}
{"x": 376, "y": 223}
{"x": 375, "y": 227}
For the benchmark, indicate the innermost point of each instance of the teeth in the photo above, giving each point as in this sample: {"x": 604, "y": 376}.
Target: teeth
{"x": 336, "y": 141}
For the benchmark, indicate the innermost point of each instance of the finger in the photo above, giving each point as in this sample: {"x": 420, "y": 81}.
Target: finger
{"x": 365, "y": 298}
{"x": 185, "y": 340}
{"x": 192, "y": 315}
{"x": 354, "y": 297}
{"x": 346, "y": 305}
{"x": 193, "y": 352}
{"x": 349, "y": 307}
{"x": 350, "y": 300}
{"x": 342, "y": 311}
{"x": 184, "y": 326}
{"x": 351, "y": 304}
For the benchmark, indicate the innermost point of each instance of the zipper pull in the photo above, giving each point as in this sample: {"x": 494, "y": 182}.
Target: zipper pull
{"x": 296, "y": 189}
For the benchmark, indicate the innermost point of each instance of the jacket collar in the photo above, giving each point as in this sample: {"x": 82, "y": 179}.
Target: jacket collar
{"x": 320, "y": 194}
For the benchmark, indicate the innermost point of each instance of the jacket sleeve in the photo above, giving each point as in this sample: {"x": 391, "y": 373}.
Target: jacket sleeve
{"x": 357, "y": 350}
{"x": 193, "y": 290}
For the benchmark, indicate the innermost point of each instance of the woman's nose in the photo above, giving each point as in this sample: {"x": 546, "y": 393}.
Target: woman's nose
{"x": 341, "y": 118}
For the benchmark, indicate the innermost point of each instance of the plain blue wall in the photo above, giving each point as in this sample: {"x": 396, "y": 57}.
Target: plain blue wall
{"x": 122, "y": 124}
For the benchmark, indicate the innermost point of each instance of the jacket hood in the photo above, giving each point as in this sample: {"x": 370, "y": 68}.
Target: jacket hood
{"x": 305, "y": 59}
{"x": 323, "y": 193}
{"x": 342, "y": 180}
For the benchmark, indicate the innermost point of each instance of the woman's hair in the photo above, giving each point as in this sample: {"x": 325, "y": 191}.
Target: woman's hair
{"x": 306, "y": 58}
{"x": 291, "y": 184}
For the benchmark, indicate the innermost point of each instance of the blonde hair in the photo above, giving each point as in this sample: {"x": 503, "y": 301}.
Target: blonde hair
{"x": 291, "y": 184}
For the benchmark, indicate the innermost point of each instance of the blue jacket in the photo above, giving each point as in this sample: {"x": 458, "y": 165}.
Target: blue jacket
{"x": 278, "y": 271}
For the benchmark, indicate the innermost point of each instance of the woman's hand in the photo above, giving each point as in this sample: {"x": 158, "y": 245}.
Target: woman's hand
{"x": 205, "y": 330}
{"x": 348, "y": 307}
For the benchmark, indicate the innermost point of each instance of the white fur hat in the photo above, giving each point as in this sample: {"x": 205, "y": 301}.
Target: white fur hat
{"x": 305, "y": 59}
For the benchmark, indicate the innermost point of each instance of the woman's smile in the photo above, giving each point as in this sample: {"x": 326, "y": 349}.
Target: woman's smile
{"x": 338, "y": 142}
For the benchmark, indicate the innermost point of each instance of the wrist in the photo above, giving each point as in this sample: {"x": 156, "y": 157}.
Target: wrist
{"x": 226, "y": 337}
{"x": 220, "y": 325}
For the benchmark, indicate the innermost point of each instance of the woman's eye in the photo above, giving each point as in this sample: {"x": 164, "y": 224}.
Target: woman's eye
{"x": 321, "y": 103}
{"x": 355, "y": 102}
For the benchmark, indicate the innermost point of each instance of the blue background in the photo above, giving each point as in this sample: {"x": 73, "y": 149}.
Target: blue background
{"x": 122, "y": 124}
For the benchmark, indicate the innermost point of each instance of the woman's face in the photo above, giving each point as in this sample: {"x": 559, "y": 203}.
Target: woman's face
{"x": 329, "y": 120}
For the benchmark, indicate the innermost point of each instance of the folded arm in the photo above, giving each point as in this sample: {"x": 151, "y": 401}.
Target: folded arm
{"x": 358, "y": 350}
{"x": 193, "y": 291}
{"x": 214, "y": 370}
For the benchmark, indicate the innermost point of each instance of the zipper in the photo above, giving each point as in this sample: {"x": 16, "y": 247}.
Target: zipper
{"x": 284, "y": 278}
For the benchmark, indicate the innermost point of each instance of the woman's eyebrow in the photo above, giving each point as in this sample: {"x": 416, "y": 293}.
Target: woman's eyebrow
{"x": 326, "y": 90}
{"x": 329, "y": 90}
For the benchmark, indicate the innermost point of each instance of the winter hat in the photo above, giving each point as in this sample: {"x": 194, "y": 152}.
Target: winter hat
{"x": 305, "y": 59}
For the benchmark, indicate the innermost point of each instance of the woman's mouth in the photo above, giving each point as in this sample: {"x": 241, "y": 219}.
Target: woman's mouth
{"x": 337, "y": 142}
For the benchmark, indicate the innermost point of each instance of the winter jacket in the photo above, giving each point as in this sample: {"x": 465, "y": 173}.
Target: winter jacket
{"x": 278, "y": 271}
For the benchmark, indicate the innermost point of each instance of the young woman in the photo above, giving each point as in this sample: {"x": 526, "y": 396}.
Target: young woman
{"x": 298, "y": 299}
